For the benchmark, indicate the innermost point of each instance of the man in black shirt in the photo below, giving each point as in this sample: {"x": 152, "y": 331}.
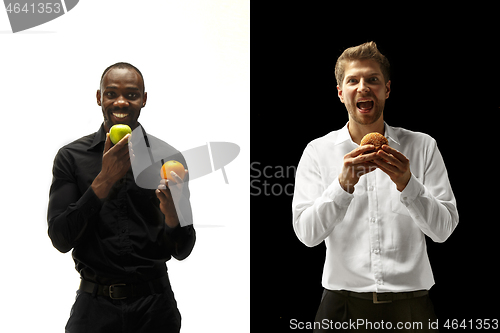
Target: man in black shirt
{"x": 121, "y": 234}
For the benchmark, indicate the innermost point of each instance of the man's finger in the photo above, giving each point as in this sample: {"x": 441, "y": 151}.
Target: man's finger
{"x": 107, "y": 144}
{"x": 122, "y": 147}
{"x": 390, "y": 158}
{"x": 363, "y": 169}
{"x": 389, "y": 169}
{"x": 177, "y": 179}
{"x": 395, "y": 153}
{"x": 362, "y": 149}
{"x": 164, "y": 187}
{"x": 163, "y": 184}
{"x": 132, "y": 156}
{"x": 123, "y": 141}
{"x": 365, "y": 158}
{"x": 160, "y": 195}
{"x": 163, "y": 192}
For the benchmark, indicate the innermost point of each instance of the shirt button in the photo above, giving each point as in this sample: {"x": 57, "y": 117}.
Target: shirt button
{"x": 373, "y": 220}
{"x": 380, "y": 282}
{"x": 376, "y": 251}
{"x": 370, "y": 188}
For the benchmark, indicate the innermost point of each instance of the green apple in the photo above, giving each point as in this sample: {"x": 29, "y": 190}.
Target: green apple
{"x": 118, "y": 131}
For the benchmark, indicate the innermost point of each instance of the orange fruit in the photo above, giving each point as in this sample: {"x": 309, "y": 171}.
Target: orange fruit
{"x": 174, "y": 166}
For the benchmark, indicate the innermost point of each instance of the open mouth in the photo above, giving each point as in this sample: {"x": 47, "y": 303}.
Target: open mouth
{"x": 364, "y": 105}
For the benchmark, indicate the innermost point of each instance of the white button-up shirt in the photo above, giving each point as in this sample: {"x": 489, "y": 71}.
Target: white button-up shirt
{"x": 375, "y": 237}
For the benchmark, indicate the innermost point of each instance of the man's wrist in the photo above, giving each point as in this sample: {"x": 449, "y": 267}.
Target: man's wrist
{"x": 347, "y": 186}
{"x": 172, "y": 220}
{"x": 101, "y": 186}
{"x": 402, "y": 186}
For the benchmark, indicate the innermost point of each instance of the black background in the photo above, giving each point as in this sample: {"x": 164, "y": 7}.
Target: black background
{"x": 445, "y": 81}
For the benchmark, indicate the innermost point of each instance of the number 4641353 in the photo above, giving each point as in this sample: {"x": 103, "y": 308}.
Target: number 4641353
{"x": 40, "y": 8}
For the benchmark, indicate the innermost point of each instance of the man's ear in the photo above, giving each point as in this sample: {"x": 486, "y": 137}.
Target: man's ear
{"x": 339, "y": 92}
{"x": 98, "y": 96}
{"x": 387, "y": 89}
{"x": 144, "y": 99}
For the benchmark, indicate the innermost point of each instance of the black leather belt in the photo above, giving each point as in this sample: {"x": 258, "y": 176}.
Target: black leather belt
{"x": 123, "y": 290}
{"x": 379, "y": 298}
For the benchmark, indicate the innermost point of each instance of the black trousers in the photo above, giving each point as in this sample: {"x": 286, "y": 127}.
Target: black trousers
{"x": 346, "y": 313}
{"x": 152, "y": 313}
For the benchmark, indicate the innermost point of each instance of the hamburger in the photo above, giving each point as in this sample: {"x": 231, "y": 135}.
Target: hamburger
{"x": 376, "y": 139}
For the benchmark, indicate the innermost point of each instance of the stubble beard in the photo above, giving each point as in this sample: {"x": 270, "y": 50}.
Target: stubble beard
{"x": 366, "y": 120}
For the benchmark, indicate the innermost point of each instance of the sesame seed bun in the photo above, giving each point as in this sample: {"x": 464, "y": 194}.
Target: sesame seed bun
{"x": 376, "y": 139}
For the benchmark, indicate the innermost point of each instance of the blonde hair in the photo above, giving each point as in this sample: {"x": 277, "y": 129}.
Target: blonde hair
{"x": 361, "y": 52}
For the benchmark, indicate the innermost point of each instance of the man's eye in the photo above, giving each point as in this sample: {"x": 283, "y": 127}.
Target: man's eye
{"x": 132, "y": 95}
{"x": 110, "y": 94}
{"x": 374, "y": 79}
{"x": 351, "y": 81}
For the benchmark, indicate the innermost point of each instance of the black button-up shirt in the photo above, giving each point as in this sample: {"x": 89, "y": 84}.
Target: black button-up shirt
{"x": 121, "y": 239}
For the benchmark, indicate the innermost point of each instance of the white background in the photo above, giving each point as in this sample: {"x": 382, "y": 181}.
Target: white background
{"x": 194, "y": 56}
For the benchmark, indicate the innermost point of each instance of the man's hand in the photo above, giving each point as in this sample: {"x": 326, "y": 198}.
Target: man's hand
{"x": 115, "y": 164}
{"x": 169, "y": 193}
{"x": 395, "y": 165}
{"x": 356, "y": 165}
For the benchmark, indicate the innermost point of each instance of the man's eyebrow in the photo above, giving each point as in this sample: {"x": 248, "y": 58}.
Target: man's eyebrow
{"x": 129, "y": 88}
{"x": 356, "y": 75}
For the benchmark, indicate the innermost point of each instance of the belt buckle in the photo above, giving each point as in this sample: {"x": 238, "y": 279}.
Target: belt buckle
{"x": 111, "y": 290}
{"x": 376, "y": 301}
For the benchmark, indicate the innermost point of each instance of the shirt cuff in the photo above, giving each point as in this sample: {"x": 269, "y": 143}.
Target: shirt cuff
{"x": 411, "y": 191}
{"x": 89, "y": 204}
{"x": 336, "y": 193}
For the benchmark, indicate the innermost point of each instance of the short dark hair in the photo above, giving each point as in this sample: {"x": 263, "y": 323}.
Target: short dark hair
{"x": 122, "y": 65}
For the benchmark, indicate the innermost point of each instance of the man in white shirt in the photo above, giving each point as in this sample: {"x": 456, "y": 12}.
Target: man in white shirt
{"x": 373, "y": 210}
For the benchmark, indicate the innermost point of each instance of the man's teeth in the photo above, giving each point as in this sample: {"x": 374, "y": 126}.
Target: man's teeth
{"x": 120, "y": 115}
{"x": 364, "y": 104}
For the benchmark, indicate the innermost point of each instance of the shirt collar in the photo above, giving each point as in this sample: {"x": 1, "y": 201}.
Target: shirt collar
{"x": 100, "y": 136}
{"x": 389, "y": 133}
{"x": 343, "y": 135}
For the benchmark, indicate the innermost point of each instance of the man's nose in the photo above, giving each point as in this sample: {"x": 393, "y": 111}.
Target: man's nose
{"x": 121, "y": 102}
{"x": 362, "y": 87}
